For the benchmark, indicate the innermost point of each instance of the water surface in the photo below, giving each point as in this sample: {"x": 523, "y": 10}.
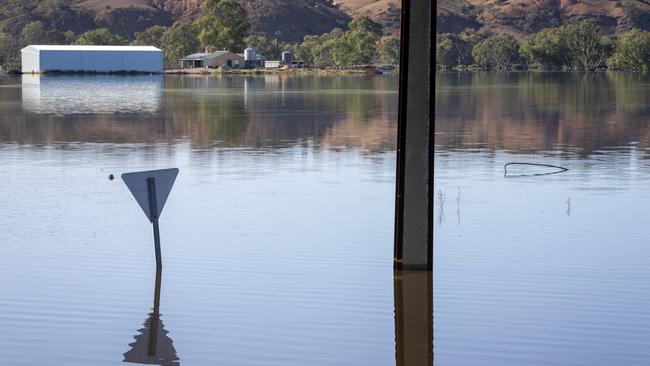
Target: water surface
{"x": 277, "y": 237}
{"x": 542, "y": 269}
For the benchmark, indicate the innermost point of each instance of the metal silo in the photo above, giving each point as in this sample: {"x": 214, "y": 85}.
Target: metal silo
{"x": 249, "y": 54}
{"x": 286, "y": 57}
{"x": 250, "y": 58}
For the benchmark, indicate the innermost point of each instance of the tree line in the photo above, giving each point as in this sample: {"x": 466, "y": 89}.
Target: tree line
{"x": 579, "y": 47}
{"x": 224, "y": 26}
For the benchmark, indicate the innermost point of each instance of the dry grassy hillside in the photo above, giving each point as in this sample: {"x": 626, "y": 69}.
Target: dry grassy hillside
{"x": 98, "y": 6}
{"x": 521, "y": 17}
{"x": 384, "y": 12}
{"x": 292, "y": 19}
{"x": 453, "y": 16}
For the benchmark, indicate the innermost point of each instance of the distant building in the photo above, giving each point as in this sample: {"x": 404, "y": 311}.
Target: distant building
{"x": 52, "y": 58}
{"x": 272, "y": 64}
{"x": 297, "y": 64}
{"x": 277, "y": 64}
{"x": 212, "y": 60}
{"x": 287, "y": 59}
{"x": 251, "y": 58}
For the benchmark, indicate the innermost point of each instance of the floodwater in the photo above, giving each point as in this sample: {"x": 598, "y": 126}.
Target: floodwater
{"x": 276, "y": 238}
{"x": 534, "y": 269}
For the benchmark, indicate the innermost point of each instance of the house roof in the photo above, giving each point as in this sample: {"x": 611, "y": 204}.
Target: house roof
{"x": 216, "y": 54}
{"x": 203, "y": 55}
{"x": 195, "y": 56}
{"x": 91, "y": 48}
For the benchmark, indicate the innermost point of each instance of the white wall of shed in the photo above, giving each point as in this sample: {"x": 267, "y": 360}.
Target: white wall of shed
{"x": 29, "y": 61}
{"x": 100, "y": 61}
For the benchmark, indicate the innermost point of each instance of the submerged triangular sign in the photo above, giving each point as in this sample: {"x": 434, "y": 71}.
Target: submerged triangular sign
{"x": 137, "y": 182}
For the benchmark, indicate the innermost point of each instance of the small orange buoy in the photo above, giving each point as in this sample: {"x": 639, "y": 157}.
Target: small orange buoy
{"x": 111, "y": 177}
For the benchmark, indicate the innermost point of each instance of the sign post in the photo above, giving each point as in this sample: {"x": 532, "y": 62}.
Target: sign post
{"x": 151, "y": 184}
{"x": 150, "y": 189}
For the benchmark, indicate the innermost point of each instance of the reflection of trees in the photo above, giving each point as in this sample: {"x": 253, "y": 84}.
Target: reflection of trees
{"x": 525, "y": 112}
{"x": 349, "y": 112}
{"x": 263, "y": 111}
{"x": 210, "y": 112}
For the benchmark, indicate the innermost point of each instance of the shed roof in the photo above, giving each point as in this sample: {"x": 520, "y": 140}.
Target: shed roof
{"x": 91, "y": 48}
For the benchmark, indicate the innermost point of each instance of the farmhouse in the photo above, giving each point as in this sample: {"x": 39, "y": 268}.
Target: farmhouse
{"x": 101, "y": 59}
{"x": 212, "y": 60}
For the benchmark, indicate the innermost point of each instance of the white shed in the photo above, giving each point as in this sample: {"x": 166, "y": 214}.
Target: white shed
{"x": 39, "y": 58}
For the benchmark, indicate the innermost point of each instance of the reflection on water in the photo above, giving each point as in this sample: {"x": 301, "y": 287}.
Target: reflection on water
{"x": 278, "y": 250}
{"x": 153, "y": 346}
{"x": 413, "y": 318}
{"x": 536, "y": 112}
{"x": 101, "y": 94}
{"x": 544, "y": 269}
{"x": 209, "y": 112}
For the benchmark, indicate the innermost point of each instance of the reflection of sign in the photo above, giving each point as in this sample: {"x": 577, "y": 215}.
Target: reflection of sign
{"x": 139, "y": 183}
{"x": 152, "y": 346}
{"x": 97, "y": 94}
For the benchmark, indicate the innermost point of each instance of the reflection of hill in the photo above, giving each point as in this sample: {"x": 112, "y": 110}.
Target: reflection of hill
{"x": 271, "y": 111}
{"x": 375, "y": 135}
{"x": 541, "y": 111}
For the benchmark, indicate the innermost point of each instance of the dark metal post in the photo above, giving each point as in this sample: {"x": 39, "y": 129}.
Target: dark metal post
{"x": 414, "y": 178}
{"x": 153, "y": 207}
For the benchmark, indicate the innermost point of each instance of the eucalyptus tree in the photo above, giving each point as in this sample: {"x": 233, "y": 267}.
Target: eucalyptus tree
{"x": 100, "y": 36}
{"x": 548, "y": 49}
{"x": 180, "y": 40}
{"x": 632, "y": 51}
{"x": 498, "y": 52}
{"x": 224, "y": 26}
{"x": 585, "y": 45}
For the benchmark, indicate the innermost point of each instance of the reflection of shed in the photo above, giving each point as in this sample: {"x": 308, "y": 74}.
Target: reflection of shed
{"x": 212, "y": 60}
{"x": 99, "y": 94}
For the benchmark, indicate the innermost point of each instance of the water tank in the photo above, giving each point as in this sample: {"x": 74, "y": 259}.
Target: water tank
{"x": 286, "y": 57}
{"x": 249, "y": 54}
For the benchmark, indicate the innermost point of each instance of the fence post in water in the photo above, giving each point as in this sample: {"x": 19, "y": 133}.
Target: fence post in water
{"x": 414, "y": 181}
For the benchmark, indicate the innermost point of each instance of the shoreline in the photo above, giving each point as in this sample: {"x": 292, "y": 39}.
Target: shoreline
{"x": 306, "y": 71}
{"x": 369, "y": 71}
